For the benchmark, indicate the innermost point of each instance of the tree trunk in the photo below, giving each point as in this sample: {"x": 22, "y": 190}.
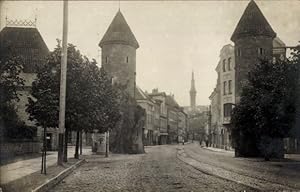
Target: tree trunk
{"x": 66, "y": 146}
{"x": 76, "y": 155}
{"x": 80, "y": 144}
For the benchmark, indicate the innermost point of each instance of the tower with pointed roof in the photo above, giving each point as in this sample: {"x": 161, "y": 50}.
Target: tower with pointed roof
{"x": 193, "y": 93}
{"x": 253, "y": 38}
{"x": 119, "y": 53}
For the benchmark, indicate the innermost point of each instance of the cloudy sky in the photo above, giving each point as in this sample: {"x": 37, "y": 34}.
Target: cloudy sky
{"x": 175, "y": 37}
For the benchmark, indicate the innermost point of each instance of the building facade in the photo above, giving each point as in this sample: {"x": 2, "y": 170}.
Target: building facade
{"x": 254, "y": 40}
{"x": 151, "y": 127}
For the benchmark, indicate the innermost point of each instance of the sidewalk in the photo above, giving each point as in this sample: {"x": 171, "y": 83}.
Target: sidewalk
{"x": 14, "y": 171}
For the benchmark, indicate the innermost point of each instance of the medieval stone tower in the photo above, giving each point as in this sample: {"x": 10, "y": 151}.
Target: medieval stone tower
{"x": 253, "y": 38}
{"x": 193, "y": 93}
{"x": 119, "y": 53}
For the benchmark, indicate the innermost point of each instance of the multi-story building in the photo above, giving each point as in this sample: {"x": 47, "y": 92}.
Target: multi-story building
{"x": 214, "y": 124}
{"x": 161, "y": 118}
{"x": 254, "y": 39}
{"x": 151, "y": 128}
{"x": 227, "y": 93}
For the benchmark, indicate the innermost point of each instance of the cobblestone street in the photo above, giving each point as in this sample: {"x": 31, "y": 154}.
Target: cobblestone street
{"x": 157, "y": 170}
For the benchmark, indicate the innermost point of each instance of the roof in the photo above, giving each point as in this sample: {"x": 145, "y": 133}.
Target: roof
{"x": 25, "y": 42}
{"x": 252, "y": 23}
{"x": 139, "y": 94}
{"x": 277, "y": 42}
{"x": 171, "y": 101}
{"x": 119, "y": 32}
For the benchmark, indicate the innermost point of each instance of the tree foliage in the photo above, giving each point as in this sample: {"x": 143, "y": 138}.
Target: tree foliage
{"x": 10, "y": 83}
{"x": 127, "y": 136}
{"x": 267, "y": 109}
{"x": 91, "y": 101}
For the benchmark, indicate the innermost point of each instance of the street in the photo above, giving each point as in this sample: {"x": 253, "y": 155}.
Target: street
{"x": 157, "y": 170}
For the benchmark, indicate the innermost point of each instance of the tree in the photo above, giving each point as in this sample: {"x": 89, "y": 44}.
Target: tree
{"x": 90, "y": 99}
{"x": 10, "y": 82}
{"x": 198, "y": 121}
{"x": 266, "y": 111}
{"x": 127, "y": 136}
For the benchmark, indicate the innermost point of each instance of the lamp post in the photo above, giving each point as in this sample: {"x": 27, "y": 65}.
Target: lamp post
{"x": 63, "y": 78}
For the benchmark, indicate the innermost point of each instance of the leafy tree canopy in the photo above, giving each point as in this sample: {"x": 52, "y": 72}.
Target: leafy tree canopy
{"x": 267, "y": 108}
{"x": 91, "y": 101}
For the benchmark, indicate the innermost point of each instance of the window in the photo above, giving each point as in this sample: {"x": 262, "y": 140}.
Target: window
{"x": 224, "y": 65}
{"x": 224, "y": 87}
{"x": 261, "y": 51}
{"x": 106, "y": 59}
{"x": 229, "y": 64}
{"x": 227, "y": 109}
{"x": 230, "y": 87}
{"x": 127, "y": 59}
{"x": 239, "y": 52}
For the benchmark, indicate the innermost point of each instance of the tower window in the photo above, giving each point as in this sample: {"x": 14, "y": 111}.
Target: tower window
{"x": 224, "y": 87}
{"x": 239, "y": 52}
{"x": 127, "y": 59}
{"x": 229, "y": 64}
{"x": 261, "y": 51}
{"x": 224, "y": 65}
{"x": 230, "y": 87}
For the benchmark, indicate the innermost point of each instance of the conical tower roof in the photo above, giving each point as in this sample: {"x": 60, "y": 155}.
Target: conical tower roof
{"x": 252, "y": 23}
{"x": 119, "y": 32}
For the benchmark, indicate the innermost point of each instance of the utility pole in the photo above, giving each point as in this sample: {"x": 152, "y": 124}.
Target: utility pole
{"x": 63, "y": 78}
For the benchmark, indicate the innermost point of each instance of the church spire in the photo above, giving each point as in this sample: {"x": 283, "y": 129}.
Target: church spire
{"x": 193, "y": 93}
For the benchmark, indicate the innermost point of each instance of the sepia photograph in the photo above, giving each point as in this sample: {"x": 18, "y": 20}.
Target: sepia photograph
{"x": 149, "y": 95}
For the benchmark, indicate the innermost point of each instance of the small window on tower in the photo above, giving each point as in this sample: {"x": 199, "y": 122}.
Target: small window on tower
{"x": 261, "y": 51}
{"x": 229, "y": 64}
{"x": 239, "y": 52}
{"x": 224, "y": 65}
{"x": 127, "y": 59}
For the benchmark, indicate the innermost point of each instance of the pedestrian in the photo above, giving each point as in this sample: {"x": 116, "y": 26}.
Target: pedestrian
{"x": 182, "y": 141}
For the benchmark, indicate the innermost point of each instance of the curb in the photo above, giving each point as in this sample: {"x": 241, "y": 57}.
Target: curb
{"x": 55, "y": 180}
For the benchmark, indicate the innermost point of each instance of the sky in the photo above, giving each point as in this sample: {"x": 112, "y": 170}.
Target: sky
{"x": 175, "y": 37}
